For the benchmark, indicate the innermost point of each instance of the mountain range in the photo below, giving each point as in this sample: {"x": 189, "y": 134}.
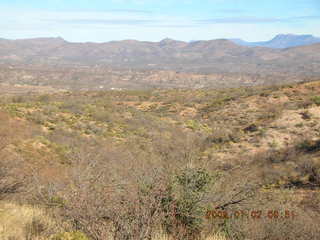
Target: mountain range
{"x": 166, "y": 64}
{"x": 282, "y": 41}
{"x": 213, "y": 56}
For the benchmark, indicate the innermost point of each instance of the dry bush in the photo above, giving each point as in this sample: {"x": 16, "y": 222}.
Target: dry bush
{"x": 139, "y": 214}
{"x": 81, "y": 196}
{"x": 8, "y": 182}
{"x": 272, "y": 156}
{"x": 98, "y": 196}
{"x": 308, "y": 146}
{"x": 113, "y": 192}
{"x": 73, "y": 105}
{"x": 270, "y": 112}
{"x": 102, "y": 115}
{"x": 222, "y": 135}
{"x": 311, "y": 202}
{"x": 295, "y": 166}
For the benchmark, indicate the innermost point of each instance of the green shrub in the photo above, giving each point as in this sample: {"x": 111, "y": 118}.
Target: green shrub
{"x": 216, "y": 103}
{"x": 44, "y": 98}
{"x": 197, "y": 126}
{"x": 188, "y": 191}
{"x": 316, "y": 100}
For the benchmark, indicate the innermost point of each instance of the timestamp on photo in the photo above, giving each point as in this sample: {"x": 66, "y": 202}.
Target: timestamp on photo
{"x": 251, "y": 214}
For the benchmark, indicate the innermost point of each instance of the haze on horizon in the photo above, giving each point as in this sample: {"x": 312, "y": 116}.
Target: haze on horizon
{"x": 150, "y": 20}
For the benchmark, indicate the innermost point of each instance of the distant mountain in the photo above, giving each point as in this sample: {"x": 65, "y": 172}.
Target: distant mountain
{"x": 213, "y": 56}
{"x": 239, "y": 41}
{"x": 282, "y": 41}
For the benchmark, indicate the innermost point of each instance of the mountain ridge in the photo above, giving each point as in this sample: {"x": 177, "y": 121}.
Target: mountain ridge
{"x": 282, "y": 41}
{"x": 218, "y": 56}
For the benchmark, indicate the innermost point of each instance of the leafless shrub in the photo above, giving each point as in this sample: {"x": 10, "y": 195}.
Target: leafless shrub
{"x": 8, "y": 185}
{"x": 114, "y": 192}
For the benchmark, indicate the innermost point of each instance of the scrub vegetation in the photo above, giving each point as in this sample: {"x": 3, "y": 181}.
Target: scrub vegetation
{"x": 224, "y": 164}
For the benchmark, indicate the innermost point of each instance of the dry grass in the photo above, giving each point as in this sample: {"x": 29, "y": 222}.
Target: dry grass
{"x": 24, "y": 222}
{"x": 19, "y": 222}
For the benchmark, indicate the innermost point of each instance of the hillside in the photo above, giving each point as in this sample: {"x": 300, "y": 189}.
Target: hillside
{"x": 142, "y": 163}
{"x": 104, "y": 78}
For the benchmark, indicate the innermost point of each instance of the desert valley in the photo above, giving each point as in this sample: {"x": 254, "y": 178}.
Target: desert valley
{"x": 138, "y": 140}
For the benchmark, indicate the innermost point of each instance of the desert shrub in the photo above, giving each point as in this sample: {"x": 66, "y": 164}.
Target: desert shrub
{"x": 311, "y": 202}
{"x": 309, "y": 173}
{"x": 50, "y": 109}
{"x": 141, "y": 95}
{"x": 301, "y": 104}
{"x": 100, "y": 204}
{"x": 299, "y": 225}
{"x": 102, "y": 198}
{"x": 8, "y": 184}
{"x": 292, "y": 167}
{"x": 102, "y": 115}
{"x": 139, "y": 215}
{"x": 186, "y": 203}
{"x": 84, "y": 204}
{"x": 38, "y": 117}
{"x": 216, "y": 104}
{"x": 222, "y": 136}
{"x": 90, "y": 128}
{"x": 18, "y": 99}
{"x": 309, "y": 146}
{"x": 270, "y": 112}
{"x": 44, "y": 98}
{"x": 278, "y": 155}
{"x": 305, "y": 115}
{"x": 197, "y": 126}
{"x": 265, "y": 94}
{"x": 251, "y": 128}
{"x": 73, "y": 106}
{"x": 316, "y": 100}
{"x": 10, "y": 181}
{"x": 177, "y": 205}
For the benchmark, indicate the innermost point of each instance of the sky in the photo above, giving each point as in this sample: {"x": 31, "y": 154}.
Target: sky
{"x": 153, "y": 20}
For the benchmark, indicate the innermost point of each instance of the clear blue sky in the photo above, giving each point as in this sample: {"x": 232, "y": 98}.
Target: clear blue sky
{"x": 153, "y": 20}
